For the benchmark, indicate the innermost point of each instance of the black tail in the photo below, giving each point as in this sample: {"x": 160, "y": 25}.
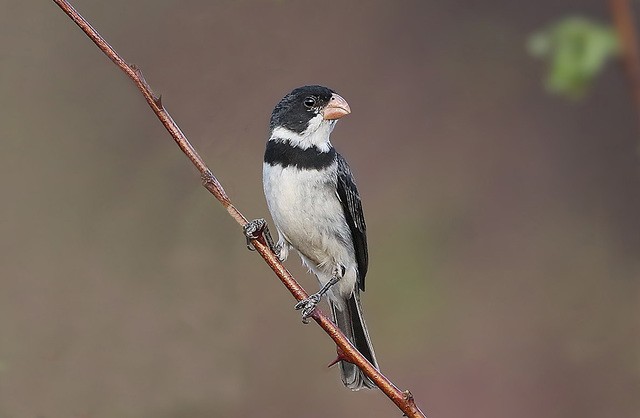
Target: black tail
{"x": 352, "y": 324}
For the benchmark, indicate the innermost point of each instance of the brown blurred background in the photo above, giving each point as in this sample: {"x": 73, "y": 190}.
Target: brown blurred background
{"x": 503, "y": 223}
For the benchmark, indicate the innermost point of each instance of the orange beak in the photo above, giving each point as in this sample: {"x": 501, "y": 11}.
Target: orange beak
{"x": 337, "y": 108}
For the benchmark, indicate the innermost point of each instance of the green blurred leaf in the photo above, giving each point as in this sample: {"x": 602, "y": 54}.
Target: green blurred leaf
{"x": 576, "y": 50}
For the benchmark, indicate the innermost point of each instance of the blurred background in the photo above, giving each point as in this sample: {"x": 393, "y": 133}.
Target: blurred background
{"x": 503, "y": 222}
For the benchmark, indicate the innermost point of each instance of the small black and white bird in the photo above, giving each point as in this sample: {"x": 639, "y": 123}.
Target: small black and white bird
{"x": 314, "y": 202}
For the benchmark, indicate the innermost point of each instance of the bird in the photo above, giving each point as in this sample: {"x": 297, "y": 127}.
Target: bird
{"x": 316, "y": 208}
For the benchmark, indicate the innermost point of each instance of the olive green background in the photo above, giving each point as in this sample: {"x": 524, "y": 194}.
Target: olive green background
{"x": 504, "y": 223}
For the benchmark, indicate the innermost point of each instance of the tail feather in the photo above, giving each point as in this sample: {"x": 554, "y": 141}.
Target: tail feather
{"x": 351, "y": 323}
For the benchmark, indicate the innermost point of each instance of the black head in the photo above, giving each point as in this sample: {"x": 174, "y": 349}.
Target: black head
{"x": 296, "y": 109}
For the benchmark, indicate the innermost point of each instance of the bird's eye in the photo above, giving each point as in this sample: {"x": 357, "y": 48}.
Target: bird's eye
{"x": 309, "y": 102}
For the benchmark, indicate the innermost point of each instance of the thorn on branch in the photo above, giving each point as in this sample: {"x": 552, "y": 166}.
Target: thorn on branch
{"x": 334, "y": 362}
{"x": 341, "y": 357}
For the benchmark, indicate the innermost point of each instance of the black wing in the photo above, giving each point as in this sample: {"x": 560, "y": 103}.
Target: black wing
{"x": 350, "y": 199}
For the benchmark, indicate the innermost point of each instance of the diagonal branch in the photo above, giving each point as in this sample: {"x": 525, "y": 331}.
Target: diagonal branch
{"x": 622, "y": 14}
{"x": 403, "y": 399}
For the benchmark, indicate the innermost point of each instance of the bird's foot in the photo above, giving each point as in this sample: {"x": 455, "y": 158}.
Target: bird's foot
{"x": 252, "y": 230}
{"x": 280, "y": 251}
{"x": 258, "y": 228}
{"x": 307, "y": 306}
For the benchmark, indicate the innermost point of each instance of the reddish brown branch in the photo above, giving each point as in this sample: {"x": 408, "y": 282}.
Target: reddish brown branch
{"x": 622, "y": 14}
{"x": 404, "y": 400}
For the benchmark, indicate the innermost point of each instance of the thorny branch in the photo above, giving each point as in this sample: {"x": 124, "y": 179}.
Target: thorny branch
{"x": 403, "y": 399}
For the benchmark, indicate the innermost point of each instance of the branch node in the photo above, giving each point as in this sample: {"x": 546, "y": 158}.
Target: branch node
{"x": 408, "y": 396}
{"x": 137, "y": 71}
{"x": 208, "y": 179}
{"x": 158, "y": 101}
{"x": 211, "y": 183}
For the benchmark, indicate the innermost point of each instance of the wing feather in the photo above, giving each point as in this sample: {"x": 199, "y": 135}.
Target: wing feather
{"x": 352, "y": 206}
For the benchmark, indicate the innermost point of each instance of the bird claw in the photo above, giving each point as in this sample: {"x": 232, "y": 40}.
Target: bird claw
{"x": 279, "y": 250}
{"x": 258, "y": 228}
{"x": 252, "y": 230}
{"x": 307, "y": 306}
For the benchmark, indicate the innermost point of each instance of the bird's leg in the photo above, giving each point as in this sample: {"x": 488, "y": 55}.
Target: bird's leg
{"x": 309, "y": 304}
{"x": 254, "y": 228}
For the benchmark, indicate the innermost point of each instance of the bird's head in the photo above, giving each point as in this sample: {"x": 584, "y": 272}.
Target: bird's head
{"x": 306, "y": 116}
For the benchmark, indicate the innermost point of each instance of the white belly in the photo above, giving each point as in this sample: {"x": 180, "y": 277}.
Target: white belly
{"x": 308, "y": 215}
